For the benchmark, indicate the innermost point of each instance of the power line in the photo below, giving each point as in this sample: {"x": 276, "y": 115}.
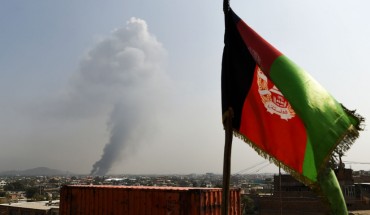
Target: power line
{"x": 262, "y": 167}
{"x": 244, "y": 171}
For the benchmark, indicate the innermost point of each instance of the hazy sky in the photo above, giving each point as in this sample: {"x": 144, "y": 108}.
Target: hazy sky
{"x": 134, "y": 86}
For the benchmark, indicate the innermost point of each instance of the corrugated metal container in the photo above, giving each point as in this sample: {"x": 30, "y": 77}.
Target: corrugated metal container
{"x": 126, "y": 200}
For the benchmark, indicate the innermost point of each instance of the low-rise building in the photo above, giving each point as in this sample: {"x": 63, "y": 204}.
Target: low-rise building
{"x": 291, "y": 196}
{"x": 30, "y": 208}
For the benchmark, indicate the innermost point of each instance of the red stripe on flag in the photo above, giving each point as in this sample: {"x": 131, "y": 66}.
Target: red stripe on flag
{"x": 269, "y": 122}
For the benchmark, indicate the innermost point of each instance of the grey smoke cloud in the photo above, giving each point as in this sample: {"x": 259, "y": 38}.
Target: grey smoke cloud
{"x": 123, "y": 75}
{"x": 124, "y": 66}
{"x": 127, "y": 70}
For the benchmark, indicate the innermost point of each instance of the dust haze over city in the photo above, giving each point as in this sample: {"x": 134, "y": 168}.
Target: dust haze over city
{"x": 133, "y": 87}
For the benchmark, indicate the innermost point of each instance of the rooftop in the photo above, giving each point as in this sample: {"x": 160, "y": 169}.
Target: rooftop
{"x": 41, "y": 205}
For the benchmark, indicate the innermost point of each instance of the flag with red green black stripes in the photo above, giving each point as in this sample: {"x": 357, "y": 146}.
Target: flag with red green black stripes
{"x": 281, "y": 111}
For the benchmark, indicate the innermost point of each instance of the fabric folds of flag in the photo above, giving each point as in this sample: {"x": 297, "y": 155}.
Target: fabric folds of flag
{"x": 279, "y": 109}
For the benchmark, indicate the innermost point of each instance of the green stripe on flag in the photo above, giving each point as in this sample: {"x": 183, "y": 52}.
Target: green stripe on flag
{"x": 309, "y": 167}
{"x": 324, "y": 118}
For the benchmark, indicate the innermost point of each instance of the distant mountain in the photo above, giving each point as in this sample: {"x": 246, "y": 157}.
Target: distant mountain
{"x": 38, "y": 171}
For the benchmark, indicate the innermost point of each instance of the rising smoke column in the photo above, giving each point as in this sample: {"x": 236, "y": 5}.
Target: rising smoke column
{"x": 126, "y": 73}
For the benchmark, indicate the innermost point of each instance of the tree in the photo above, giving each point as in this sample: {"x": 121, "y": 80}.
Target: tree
{"x": 14, "y": 186}
{"x": 31, "y": 191}
{"x": 35, "y": 194}
{"x": 53, "y": 181}
{"x": 98, "y": 180}
{"x": 248, "y": 206}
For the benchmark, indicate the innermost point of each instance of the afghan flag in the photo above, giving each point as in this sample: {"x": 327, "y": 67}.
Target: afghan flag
{"x": 282, "y": 112}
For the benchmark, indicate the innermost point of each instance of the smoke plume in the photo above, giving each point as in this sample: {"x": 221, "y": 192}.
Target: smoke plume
{"x": 123, "y": 73}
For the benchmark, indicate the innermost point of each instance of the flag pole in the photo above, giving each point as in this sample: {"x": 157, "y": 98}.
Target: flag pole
{"x": 227, "y": 120}
{"x": 228, "y": 117}
{"x": 280, "y": 192}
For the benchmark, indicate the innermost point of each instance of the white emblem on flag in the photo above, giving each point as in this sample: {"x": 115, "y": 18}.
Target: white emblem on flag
{"x": 272, "y": 98}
